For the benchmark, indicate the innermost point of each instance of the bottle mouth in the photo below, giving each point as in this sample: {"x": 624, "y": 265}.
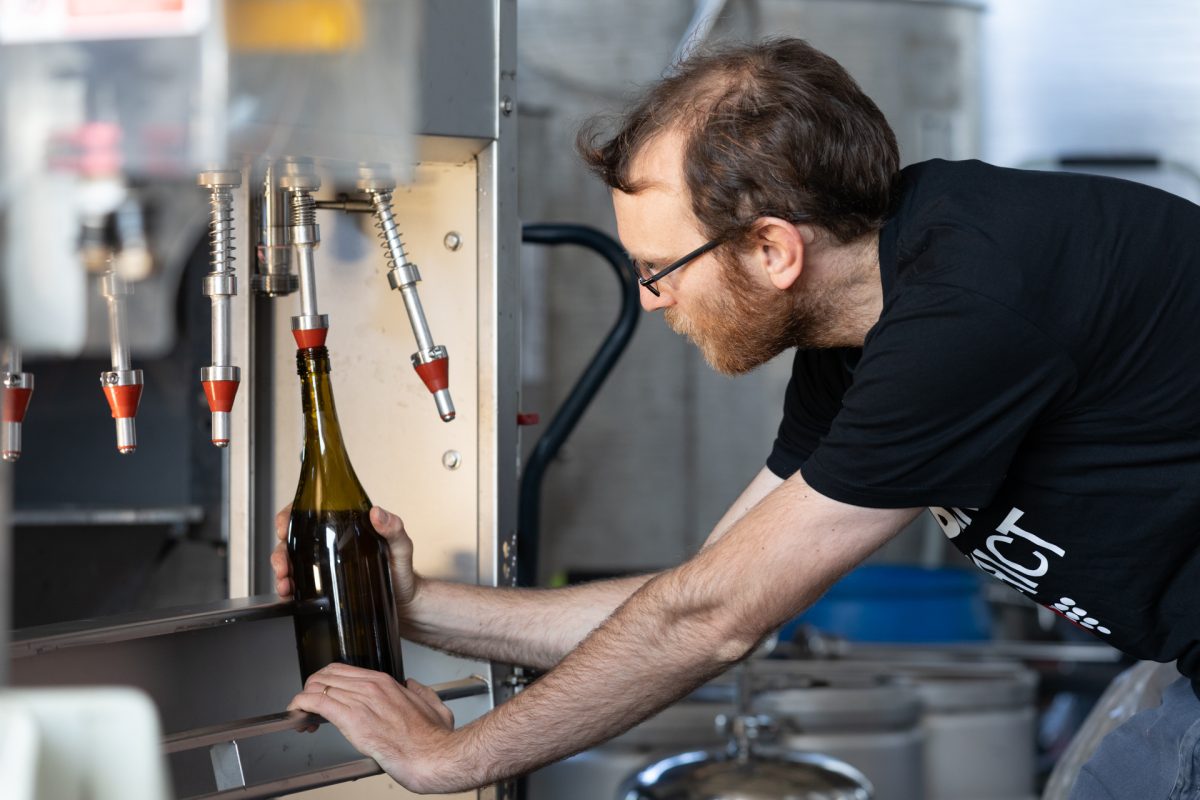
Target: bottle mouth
{"x": 310, "y": 359}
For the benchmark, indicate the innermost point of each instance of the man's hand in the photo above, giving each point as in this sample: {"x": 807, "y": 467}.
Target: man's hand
{"x": 389, "y": 526}
{"x": 407, "y": 729}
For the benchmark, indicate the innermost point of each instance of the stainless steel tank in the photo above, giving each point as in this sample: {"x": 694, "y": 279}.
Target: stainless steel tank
{"x": 865, "y": 717}
{"x": 745, "y": 772}
{"x": 977, "y": 720}
{"x": 868, "y": 720}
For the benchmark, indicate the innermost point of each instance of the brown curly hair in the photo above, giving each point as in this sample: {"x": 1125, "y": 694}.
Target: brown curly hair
{"x": 774, "y": 127}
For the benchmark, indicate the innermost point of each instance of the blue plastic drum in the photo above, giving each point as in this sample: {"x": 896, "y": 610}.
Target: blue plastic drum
{"x": 890, "y": 603}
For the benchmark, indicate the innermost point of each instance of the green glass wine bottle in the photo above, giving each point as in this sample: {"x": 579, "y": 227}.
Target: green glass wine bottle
{"x": 340, "y": 565}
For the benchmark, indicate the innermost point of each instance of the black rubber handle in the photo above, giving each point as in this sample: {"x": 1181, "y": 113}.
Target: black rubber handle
{"x": 584, "y": 390}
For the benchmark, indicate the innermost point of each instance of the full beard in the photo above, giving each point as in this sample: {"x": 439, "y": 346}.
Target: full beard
{"x": 746, "y": 325}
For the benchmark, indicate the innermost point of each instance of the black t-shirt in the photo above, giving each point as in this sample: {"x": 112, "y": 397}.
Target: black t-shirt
{"x": 1034, "y": 379}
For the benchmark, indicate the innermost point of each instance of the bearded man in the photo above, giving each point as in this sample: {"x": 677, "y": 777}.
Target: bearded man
{"x": 1014, "y": 350}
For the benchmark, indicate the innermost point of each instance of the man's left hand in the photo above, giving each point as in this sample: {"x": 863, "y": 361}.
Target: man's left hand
{"x": 406, "y": 727}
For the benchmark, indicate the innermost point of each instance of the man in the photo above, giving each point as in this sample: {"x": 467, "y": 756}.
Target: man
{"x": 1014, "y": 350}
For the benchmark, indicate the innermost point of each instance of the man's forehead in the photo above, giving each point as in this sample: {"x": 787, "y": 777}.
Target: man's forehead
{"x": 654, "y": 221}
{"x": 659, "y": 163}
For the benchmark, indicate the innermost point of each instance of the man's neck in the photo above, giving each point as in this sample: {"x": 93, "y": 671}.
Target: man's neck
{"x": 849, "y": 274}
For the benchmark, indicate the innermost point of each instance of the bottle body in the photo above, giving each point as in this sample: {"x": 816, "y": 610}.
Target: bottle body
{"x": 341, "y": 569}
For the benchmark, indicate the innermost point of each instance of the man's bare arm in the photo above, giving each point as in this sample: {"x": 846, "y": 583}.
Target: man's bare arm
{"x": 678, "y": 630}
{"x": 535, "y": 627}
{"x": 531, "y": 627}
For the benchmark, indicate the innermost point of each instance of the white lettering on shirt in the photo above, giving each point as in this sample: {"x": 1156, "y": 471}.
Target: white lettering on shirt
{"x": 1015, "y": 555}
{"x": 952, "y": 521}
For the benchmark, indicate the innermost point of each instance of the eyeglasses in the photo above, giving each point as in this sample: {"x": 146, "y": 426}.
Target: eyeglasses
{"x": 648, "y": 281}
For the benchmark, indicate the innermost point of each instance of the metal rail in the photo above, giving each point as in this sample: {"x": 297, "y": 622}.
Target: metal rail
{"x": 293, "y": 720}
{"x": 222, "y": 741}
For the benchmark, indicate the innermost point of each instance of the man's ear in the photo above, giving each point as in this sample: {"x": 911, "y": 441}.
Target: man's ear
{"x": 778, "y": 249}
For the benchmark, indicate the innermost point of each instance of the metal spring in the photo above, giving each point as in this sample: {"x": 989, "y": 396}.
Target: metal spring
{"x": 220, "y": 229}
{"x": 304, "y": 209}
{"x": 389, "y": 233}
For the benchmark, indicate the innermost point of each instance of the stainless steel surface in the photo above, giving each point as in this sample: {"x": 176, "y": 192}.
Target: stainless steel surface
{"x": 114, "y": 289}
{"x": 144, "y": 625}
{"x": 346, "y": 205}
{"x": 176, "y": 516}
{"x": 221, "y": 283}
{"x": 459, "y": 62}
{"x": 1081, "y": 652}
{"x": 250, "y": 645}
{"x": 215, "y": 671}
{"x": 247, "y": 520}
{"x": 10, "y": 441}
{"x": 295, "y": 720}
{"x": 12, "y": 378}
{"x": 6, "y": 583}
{"x": 273, "y": 276}
{"x": 714, "y": 775}
{"x": 227, "y": 766}
{"x": 10, "y": 358}
{"x": 351, "y": 771}
{"x": 404, "y": 276}
{"x": 977, "y": 719}
{"x": 306, "y": 236}
{"x": 126, "y": 435}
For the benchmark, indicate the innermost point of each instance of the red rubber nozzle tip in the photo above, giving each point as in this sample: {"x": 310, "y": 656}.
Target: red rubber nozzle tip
{"x": 313, "y": 337}
{"x": 123, "y": 400}
{"x": 14, "y": 404}
{"x": 435, "y": 374}
{"x": 220, "y": 395}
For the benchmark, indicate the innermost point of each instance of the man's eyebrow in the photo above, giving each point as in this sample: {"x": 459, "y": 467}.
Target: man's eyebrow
{"x": 645, "y": 260}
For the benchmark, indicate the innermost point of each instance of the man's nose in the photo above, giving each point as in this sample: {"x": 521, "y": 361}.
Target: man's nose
{"x": 652, "y": 302}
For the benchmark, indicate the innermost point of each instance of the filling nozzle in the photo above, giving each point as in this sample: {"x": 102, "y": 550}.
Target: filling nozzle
{"x": 309, "y": 327}
{"x": 432, "y": 361}
{"x": 122, "y": 384}
{"x": 17, "y": 388}
{"x": 221, "y": 379}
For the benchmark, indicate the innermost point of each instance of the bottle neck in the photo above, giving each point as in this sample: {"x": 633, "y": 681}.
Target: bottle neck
{"x": 327, "y": 479}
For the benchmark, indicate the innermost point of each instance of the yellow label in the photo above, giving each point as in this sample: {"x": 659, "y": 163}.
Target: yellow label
{"x": 294, "y": 26}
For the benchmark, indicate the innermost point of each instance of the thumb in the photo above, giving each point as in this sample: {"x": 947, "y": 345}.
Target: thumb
{"x": 388, "y": 525}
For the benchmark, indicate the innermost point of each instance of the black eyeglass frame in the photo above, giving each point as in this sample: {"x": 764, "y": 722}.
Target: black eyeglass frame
{"x": 649, "y": 281}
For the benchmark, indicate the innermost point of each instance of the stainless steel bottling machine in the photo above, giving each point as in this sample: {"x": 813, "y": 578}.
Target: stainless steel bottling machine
{"x": 348, "y": 166}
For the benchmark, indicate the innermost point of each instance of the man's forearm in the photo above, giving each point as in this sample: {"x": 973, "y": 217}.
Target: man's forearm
{"x": 678, "y": 630}
{"x": 531, "y": 627}
{"x": 649, "y": 653}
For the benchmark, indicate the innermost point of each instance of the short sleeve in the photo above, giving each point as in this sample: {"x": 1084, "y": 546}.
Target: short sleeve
{"x": 812, "y": 400}
{"x": 949, "y": 384}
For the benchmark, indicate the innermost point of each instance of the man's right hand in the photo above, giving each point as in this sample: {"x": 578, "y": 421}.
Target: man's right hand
{"x": 389, "y": 526}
